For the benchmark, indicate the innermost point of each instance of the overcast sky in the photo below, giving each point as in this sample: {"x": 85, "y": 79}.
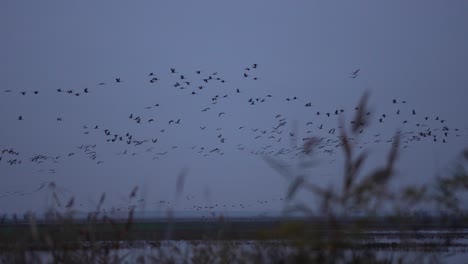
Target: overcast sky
{"x": 406, "y": 50}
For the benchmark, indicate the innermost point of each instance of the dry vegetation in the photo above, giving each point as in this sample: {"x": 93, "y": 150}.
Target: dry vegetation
{"x": 328, "y": 233}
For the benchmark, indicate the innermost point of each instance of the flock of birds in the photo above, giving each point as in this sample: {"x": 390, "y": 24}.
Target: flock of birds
{"x": 272, "y": 140}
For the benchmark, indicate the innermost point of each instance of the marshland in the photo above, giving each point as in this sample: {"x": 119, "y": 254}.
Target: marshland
{"x": 244, "y": 132}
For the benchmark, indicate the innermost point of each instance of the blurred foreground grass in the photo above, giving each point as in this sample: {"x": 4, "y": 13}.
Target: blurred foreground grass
{"x": 331, "y": 232}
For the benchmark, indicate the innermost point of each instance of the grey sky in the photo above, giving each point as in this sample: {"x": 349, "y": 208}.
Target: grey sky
{"x": 408, "y": 50}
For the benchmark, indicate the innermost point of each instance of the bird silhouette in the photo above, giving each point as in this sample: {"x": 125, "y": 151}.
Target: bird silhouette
{"x": 355, "y": 74}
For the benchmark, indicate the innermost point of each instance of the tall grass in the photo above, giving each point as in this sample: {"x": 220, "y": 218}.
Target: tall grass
{"x": 328, "y": 232}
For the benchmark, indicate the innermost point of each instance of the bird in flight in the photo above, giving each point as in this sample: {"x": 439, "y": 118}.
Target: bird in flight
{"x": 355, "y": 74}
